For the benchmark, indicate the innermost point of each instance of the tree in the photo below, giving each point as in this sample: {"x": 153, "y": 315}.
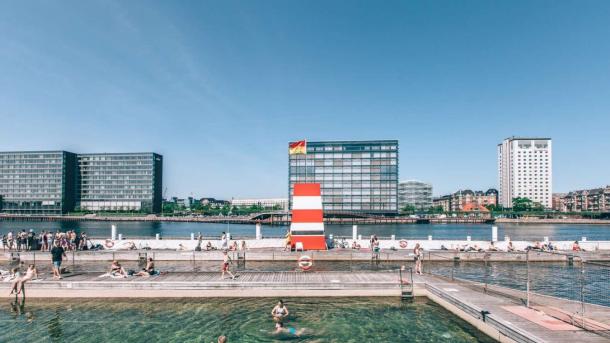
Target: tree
{"x": 436, "y": 209}
{"x": 522, "y": 204}
{"x": 409, "y": 209}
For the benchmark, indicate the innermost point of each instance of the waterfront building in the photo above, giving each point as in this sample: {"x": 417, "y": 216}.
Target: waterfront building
{"x": 213, "y": 202}
{"x": 414, "y": 193}
{"x": 467, "y": 200}
{"x": 525, "y": 170}
{"x": 558, "y": 202}
{"x": 120, "y": 182}
{"x": 270, "y": 203}
{"x": 37, "y": 182}
{"x": 355, "y": 176}
{"x": 587, "y": 200}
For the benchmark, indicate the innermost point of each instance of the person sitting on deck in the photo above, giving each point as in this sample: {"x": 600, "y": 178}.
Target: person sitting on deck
{"x": 233, "y": 247}
{"x": 19, "y": 283}
{"x": 576, "y": 247}
{"x": 510, "y": 247}
{"x": 492, "y": 247}
{"x": 148, "y": 270}
{"x": 356, "y": 245}
{"x": 209, "y": 246}
{"x": 117, "y": 270}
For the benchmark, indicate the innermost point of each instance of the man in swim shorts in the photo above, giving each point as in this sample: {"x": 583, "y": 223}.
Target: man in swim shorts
{"x": 57, "y": 254}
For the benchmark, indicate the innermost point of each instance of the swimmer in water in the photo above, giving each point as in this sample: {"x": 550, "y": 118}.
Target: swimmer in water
{"x": 279, "y": 312}
{"x": 280, "y": 329}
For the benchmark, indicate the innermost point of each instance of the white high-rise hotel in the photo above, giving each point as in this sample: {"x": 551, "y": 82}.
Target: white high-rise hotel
{"x": 525, "y": 169}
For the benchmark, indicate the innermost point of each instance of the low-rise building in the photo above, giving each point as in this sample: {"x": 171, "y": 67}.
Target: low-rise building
{"x": 558, "y": 202}
{"x": 587, "y": 200}
{"x": 270, "y": 203}
{"x": 467, "y": 200}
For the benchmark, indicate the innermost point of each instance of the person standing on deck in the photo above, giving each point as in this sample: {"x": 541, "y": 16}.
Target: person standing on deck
{"x": 419, "y": 256}
{"x": 288, "y": 242}
{"x": 57, "y": 254}
{"x": 226, "y": 260}
{"x": 224, "y": 242}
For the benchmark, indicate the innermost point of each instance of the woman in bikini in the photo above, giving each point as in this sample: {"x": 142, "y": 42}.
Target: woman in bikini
{"x": 279, "y": 312}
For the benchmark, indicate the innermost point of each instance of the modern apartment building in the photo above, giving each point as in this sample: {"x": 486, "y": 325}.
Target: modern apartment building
{"x": 37, "y": 182}
{"x": 587, "y": 200}
{"x": 467, "y": 200}
{"x": 120, "y": 182}
{"x": 355, "y": 176}
{"x": 55, "y": 182}
{"x": 415, "y": 193}
{"x": 525, "y": 169}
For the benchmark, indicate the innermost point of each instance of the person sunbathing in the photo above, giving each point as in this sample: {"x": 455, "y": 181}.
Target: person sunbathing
{"x": 148, "y": 270}
{"x": 19, "y": 283}
{"x": 117, "y": 270}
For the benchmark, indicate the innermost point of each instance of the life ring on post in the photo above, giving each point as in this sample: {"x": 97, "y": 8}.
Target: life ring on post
{"x": 403, "y": 243}
{"x": 305, "y": 262}
{"x": 109, "y": 244}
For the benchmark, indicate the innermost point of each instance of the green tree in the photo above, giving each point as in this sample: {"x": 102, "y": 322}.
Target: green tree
{"x": 408, "y": 209}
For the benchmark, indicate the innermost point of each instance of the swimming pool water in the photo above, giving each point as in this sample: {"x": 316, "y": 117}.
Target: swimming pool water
{"x": 240, "y": 319}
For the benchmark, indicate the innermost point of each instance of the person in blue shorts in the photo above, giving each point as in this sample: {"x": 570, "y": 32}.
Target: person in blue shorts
{"x": 280, "y": 329}
{"x": 57, "y": 254}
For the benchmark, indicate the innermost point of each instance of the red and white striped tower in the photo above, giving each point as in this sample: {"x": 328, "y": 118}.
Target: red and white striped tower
{"x": 307, "y": 224}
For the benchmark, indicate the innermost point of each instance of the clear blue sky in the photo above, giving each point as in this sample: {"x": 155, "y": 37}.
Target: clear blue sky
{"x": 219, "y": 88}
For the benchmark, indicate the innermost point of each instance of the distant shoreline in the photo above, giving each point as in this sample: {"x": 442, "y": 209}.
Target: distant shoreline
{"x": 246, "y": 220}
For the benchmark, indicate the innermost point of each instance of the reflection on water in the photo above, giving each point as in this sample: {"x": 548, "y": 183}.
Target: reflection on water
{"x": 409, "y": 231}
{"x": 242, "y": 320}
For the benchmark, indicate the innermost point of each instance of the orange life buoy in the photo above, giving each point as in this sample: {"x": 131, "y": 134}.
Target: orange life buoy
{"x": 109, "y": 244}
{"x": 403, "y": 243}
{"x": 305, "y": 262}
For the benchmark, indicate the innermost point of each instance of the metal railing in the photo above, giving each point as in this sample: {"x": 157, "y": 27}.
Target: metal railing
{"x": 571, "y": 289}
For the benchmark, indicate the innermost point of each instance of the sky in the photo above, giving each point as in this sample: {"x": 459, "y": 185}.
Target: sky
{"x": 219, "y": 88}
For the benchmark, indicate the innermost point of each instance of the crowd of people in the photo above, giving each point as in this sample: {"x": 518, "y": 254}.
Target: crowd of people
{"x": 44, "y": 241}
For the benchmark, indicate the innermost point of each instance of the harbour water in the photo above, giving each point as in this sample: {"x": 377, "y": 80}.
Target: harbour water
{"x": 407, "y": 231}
{"x": 241, "y": 320}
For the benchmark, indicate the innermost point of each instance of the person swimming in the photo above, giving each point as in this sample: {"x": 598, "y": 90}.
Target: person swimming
{"x": 280, "y": 329}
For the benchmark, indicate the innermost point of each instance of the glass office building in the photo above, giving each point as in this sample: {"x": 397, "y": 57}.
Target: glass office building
{"x": 355, "y": 176}
{"x": 414, "y": 193}
{"x": 37, "y": 182}
{"x": 120, "y": 182}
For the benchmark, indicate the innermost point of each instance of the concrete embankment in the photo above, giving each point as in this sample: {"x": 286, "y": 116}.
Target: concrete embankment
{"x": 576, "y": 221}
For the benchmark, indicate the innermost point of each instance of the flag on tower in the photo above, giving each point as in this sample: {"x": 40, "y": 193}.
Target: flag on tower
{"x": 297, "y": 148}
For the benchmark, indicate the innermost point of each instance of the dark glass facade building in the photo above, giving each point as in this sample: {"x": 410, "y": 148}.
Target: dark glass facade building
{"x": 120, "y": 182}
{"x": 355, "y": 176}
{"x": 55, "y": 182}
{"x": 37, "y": 182}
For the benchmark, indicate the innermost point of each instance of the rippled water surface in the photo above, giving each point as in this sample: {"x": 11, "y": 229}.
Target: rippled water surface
{"x": 241, "y": 320}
